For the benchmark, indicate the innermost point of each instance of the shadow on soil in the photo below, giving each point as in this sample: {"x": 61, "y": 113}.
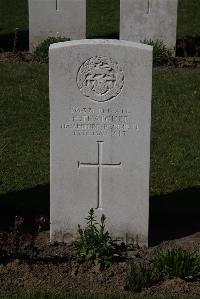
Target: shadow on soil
{"x": 18, "y": 41}
{"x": 188, "y": 46}
{"x": 28, "y": 203}
{"x": 172, "y": 216}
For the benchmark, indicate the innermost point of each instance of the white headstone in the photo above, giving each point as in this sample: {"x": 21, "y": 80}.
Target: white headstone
{"x": 149, "y": 19}
{"x": 65, "y": 18}
{"x": 100, "y": 111}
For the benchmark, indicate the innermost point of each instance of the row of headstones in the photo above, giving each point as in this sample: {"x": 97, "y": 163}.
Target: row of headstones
{"x": 139, "y": 20}
{"x": 100, "y": 111}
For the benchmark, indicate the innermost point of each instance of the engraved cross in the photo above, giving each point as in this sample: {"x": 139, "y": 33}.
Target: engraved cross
{"x": 57, "y": 5}
{"x": 149, "y": 7}
{"x": 99, "y": 165}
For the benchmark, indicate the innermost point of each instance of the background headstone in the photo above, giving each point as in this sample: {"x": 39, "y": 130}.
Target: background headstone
{"x": 149, "y": 19}
{"x": 66, "y": 18}
{"x": 100, "y": 110}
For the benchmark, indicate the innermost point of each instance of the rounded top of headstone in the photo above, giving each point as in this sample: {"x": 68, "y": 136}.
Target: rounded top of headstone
{"x": 113, "y": 42}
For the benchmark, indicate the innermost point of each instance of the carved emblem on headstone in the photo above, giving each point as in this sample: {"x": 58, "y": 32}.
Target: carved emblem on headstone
{"x": 100, "y": 78}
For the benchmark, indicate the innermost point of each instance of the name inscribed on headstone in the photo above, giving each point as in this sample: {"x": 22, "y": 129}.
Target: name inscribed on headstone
{"x": 87, "y": 121}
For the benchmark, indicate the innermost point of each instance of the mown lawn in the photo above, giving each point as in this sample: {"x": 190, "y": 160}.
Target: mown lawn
{"x": 102, "y": 17}
{"x": 24, "y": 123}
{"x": 13, "y": 14}
{"x": 188, "y": 18}
{"x": 175, "y": 150}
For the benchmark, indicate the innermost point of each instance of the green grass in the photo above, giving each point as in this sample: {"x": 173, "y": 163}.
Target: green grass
{"x": 13, "y": 13}
{"x": 102, "y": 17}
{"x": 24, "y": 123}
{"x": 188, "y": 18}
{"x": 175, "y": 151}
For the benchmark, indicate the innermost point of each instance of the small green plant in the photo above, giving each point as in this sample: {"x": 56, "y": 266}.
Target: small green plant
{"x": 41, "y": 53}
{"x": 140, "y": 277}
{"x": 95, "y": 243}
{"x": 178, "y": 263}
{"x": 161, "y": 54}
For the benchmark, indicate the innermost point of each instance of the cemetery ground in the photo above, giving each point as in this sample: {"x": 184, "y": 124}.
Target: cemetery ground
{"x": 27, "y": 262}
{"x": 102, "y": 21}
{"x": 174, "y": 203}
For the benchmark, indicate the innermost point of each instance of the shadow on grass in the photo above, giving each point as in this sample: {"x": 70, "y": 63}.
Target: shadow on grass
{"x": 28, "y": 203}
{"x": 110, "y": 36}
{"x": 188, "y": 46}
{"x": 172, "y": 216}
{"x": 7, "y": 41}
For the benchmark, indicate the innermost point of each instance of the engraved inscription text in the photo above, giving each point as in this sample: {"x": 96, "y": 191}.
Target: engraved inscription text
{"x": 90, "y": 121}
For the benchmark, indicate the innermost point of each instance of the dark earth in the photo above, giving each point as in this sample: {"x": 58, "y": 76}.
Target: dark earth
{"x": 26, "y": 57}
{"x": 30, "y": 263}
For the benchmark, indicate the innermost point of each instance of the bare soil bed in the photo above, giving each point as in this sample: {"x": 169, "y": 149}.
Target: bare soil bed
{"x": 27, "y": 57}
{"x": 34, "y": 265}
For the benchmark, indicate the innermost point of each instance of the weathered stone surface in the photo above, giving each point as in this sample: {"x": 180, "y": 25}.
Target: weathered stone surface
{"x": 100, "y": 107}
{"x": 66, "y": 18}
{"x": 149, "y": 19}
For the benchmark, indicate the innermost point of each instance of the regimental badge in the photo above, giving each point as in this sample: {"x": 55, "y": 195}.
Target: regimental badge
{"x": 100, "y": 79}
